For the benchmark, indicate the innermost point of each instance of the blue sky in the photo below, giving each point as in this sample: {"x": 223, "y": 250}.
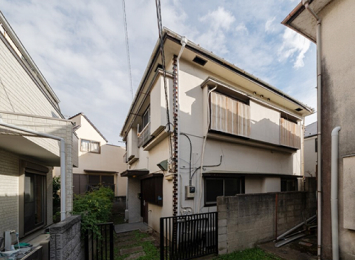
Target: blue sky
{"x": 80, "y": 47}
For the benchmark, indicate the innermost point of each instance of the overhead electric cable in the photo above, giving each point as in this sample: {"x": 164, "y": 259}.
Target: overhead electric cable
{"x": 127, "y": 45}
{"x": 160, "y": 29}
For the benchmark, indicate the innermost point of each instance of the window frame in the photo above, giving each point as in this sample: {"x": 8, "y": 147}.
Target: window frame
{"x": 89, "y": 149}
{"x": 214, "y": 203}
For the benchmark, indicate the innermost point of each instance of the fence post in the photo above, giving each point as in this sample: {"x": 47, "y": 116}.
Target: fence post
{"x": 86, "y": 244}
{"x": 216, "y": 248}
{"x": 161, "y": 239}
{"x": 111, "y": 242}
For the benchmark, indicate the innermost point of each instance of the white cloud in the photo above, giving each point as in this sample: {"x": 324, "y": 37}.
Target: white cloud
{"x": 242, "y": 28}
{"x": 269, "y": 27}
{"x": 293, "y": 43}
{"x": 219, "y": 19}
{"x": 80, "y": 45}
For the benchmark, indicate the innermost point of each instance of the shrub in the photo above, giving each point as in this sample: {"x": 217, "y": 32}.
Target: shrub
{"x": 56, "y": 199}
{"x": 94, "y": 207}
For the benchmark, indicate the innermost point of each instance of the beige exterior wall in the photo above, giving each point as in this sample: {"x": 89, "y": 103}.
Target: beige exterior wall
{"x": 110, "y": 158}
{"x": 310, "y": 157}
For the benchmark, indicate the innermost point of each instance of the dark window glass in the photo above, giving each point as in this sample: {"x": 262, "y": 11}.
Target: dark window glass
{"x": 152, "y": 190}
{"x": 34, "y": 201}
{"x": 232, "y": 187}
{"x": 289, "y": 184}
{"x": 214, "y": 188}
{"x": 316, "y": 145}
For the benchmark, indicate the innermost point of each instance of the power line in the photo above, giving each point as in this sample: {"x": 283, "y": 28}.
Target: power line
{"x": 160, "y": 28}
{"x": 127, "y": 45}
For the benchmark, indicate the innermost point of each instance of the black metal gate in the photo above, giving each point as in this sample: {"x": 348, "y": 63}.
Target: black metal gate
{"x": 100, "y": 247}
{"x": 189, "y": 236}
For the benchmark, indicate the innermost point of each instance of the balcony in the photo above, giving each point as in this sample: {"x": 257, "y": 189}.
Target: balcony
{"x": 144, "y": 136}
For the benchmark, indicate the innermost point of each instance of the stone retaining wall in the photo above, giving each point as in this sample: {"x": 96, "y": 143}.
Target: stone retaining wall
{"x": 248, "y": 219}
{"x": 65, "y": 243}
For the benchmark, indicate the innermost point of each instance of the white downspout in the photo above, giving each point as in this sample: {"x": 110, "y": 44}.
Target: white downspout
{"x": 183, "y": 44}
{"x": 62, "y": 161}
{"x": 334, "y": 192}
{"x": 203, "y": 148}
{"x": 319, "y": 124}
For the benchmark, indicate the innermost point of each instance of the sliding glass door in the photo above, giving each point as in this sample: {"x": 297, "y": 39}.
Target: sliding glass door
{"x": 34, "y": 201}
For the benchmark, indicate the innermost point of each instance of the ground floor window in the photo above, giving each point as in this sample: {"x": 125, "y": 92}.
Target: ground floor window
{"x": 289, "y": 184}
{"x": 215, "y": 187}
{"x": 97, "y": 180}
{"x": 34, "y": 201}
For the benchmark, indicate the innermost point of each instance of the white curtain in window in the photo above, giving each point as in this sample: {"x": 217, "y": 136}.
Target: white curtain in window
{"x": 85, "y": 145}
{"x": 94, "y": 147}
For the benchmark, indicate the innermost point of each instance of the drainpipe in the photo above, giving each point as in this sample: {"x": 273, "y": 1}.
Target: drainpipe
{"x": 183, "y": 44}
{"x": 62, "y": 161}
{"x": 334, "y": 192}
{"x": 319, "y": 124}
{"x": 204, "y": 146}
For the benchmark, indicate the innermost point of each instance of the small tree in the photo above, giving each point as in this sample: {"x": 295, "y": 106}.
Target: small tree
{"x": 94, "y": 207}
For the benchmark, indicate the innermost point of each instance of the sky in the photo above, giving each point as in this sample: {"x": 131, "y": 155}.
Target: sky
{"x": 79, "y": 46}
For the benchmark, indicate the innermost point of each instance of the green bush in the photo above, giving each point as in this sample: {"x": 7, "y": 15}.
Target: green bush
{"x": 56, "y": 199}
{"x": 94, "y": 207}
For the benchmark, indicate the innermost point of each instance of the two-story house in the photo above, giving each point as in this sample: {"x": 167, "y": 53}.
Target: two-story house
{"x": 34, "y": 137}
{"x": 99, "y": 162}
{"x": 330, "y": 25}
{"x": 224, "y": 132}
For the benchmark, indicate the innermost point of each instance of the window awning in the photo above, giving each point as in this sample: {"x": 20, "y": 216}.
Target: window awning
{"x": 134, "y": 173}
{"x": 99, "y": 171}
{"x": 230, "y": 174}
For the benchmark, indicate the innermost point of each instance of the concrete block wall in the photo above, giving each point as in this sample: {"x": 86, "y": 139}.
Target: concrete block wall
{"x": 65, "y": 242}
{"x": 249, "y": 219}
{"x": 9, "y": 185}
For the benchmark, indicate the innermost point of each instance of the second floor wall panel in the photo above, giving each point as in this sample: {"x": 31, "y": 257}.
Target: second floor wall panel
{"x": 18, "y": 89}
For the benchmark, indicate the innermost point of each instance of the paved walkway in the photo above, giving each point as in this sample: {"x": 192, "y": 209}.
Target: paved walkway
{"x": 121, "y": 228}
{"x": 131, "y": 247}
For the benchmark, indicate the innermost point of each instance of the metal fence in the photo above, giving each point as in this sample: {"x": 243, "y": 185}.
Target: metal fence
{"x": 189, "y": 236}
{"x": 100, "y": 246}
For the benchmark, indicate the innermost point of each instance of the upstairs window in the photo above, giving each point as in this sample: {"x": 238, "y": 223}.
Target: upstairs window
{"x": 89, "y": 146}
{"x": 229, "y": 115}
{"x": 146, "y": 118}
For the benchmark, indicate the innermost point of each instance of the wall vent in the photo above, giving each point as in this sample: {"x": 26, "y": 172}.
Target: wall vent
{"x": 200, "y": 61}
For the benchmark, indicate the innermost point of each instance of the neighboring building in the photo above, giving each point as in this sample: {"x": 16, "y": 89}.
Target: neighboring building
{"x": 336, "y": 63}
{"x": 310, "y": 150}
{"x": 26, "y": 158}
{"x": 100, "y": 163}
{"x": 231, "y": 133}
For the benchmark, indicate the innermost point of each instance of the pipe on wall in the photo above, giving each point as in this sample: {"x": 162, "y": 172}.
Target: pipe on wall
{"x": 334, "y": 192}
{"x": 319, "y": 124}
{"x": 62, "y": 161}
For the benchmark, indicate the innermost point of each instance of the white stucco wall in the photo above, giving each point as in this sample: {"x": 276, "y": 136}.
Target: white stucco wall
{"x": 310, "y": 157}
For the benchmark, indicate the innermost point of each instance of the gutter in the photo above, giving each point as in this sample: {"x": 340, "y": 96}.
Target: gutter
{"x": 62, "y": 161}
{"x": 319, "y": 122}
